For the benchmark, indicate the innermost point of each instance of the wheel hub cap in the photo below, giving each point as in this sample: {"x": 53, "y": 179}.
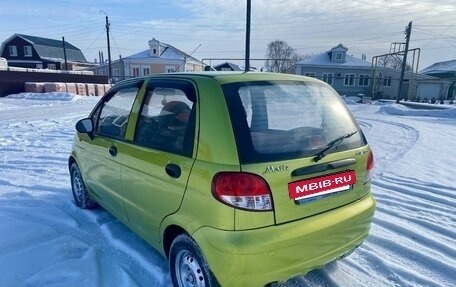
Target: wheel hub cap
{"x": 77, "y": 185}
{"x": 189, "y": 271}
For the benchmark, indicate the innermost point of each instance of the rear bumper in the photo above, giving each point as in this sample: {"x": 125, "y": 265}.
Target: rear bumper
{"x": 277, "y": 253}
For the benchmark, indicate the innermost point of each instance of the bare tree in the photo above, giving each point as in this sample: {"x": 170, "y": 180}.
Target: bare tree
{"x": 279, "y": 57}
{"x": 393, "y": 61}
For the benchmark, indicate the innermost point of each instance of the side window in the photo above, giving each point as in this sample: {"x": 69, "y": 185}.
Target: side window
{"x": 27, "y": 51}
{"x": 12, "y": 51}
{"x": 167, "y": 119}
{"x": 112, "y": 118}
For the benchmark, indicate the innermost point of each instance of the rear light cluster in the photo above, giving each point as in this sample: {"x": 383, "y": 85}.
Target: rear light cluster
{"x": 242, "y": 190}
{"x": 369, "y": 167}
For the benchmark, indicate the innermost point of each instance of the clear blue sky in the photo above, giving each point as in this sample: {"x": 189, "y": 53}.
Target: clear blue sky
{"x": 310, "y": 27}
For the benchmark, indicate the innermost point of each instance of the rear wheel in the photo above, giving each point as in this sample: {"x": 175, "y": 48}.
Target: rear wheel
{"x": 187, "y": 264}
{"x": 81, "y": 196}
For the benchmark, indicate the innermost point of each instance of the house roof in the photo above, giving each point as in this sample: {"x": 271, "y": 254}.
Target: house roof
{"x": 46, "y": 42}
{"x": 324, "y": 59}
{"x": 168, "y": 52}
{"x": 440, "y": 67}
{"x": 340, "y": 47}
{"x": 232, "y": 66}
{"x": 50, "y": 49}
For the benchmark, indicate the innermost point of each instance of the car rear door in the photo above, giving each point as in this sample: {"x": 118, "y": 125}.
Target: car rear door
{"x": 285, "y": 125}
{"x": 159, "y": 157}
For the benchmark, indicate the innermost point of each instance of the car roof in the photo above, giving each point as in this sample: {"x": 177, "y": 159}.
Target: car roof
{"x": 230, "y": 77}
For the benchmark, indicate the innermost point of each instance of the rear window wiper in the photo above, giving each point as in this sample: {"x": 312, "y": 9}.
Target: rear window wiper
{"x": 332, "y": 144}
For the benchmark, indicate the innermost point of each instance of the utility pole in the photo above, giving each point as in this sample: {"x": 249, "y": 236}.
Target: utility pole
{"x": 408, "y": 31}
{"x": 109, "y": 48}
{"x": 247, "y": 37}
{"x": 64, "y": 53}
{"x": 109, "y": 52}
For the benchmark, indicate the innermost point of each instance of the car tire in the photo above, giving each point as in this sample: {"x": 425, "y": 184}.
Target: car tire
{"x": 81, "y": 197}
{"x": 187, "y": 265}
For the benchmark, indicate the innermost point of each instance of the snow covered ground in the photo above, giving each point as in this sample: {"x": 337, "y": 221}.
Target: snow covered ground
{"x": 46, "y": 241}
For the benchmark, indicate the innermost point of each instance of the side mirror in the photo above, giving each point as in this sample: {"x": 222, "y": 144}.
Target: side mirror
{"x": 85, "y": 126}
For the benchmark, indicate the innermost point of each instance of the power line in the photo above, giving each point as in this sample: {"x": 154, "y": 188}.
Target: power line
{"x": 99, "y": 35}
{"x": 115, "y": 43}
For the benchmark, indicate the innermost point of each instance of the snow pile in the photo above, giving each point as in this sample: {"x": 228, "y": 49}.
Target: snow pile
{"x": 401, "y": 110}
{"x": 350, "y": 101}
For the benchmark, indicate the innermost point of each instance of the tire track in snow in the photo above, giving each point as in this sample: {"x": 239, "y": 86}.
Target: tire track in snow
{"x": 381, "y": 263}
{"x": 432, "y": 268}
{"x": 434, "y": 226}
{"x": 447, "y": 191}
{"x": 408, "y": 203}
{"x": 434, "y": 199}
{"x": 414, "y": 226}
{"x": 365, "y": 126}
{"x": 429, "y": 206}
{"x": 428, "y": 241}
{"x": 407, "y": 213}
{"x": 405, "y": 138}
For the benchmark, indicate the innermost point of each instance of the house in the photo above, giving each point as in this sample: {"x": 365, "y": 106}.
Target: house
{"x": 352, "y": 76}
{"x": 347, "y": 74}
{"x": 446, "y": 71}
{"x": 159, "y": 58}
{"x": 42, "y": 53}
{"x": 227, "y": 66}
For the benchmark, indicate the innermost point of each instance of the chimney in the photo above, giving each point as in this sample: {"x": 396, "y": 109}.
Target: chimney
{"x": 154, "y": 48}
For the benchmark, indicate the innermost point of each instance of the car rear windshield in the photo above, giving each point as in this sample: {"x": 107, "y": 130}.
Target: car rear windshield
{"x": 283, "y": 120}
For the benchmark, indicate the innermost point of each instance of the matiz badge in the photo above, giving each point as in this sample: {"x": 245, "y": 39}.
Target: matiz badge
{"x": 271, "y": 168}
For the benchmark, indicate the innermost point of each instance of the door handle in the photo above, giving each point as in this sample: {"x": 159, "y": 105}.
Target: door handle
{"x": 173, "y": 170}
{"x": 112, "y": 150}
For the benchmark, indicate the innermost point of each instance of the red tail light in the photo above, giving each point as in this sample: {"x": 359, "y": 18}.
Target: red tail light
{"x": 369, "y": 167}
{"x": 242, "y": 190}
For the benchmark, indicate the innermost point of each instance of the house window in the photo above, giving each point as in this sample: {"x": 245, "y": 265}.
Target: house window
{"x": 170, "y": 69}
{"x": 39, "y": 66}
{"x": 338, "y": 56}
{"x": 189, "y": 68}
{"x": 311, "y": 74}
{"x": 328, "y": 78}
{"x": 27, "y": 51}
{"x": 102, "y": 72}
{"x": 387, "y": 81}
{"x": 349, "y": 80}
{"x": 51, "y": 66}
{"x": 146, "y": 71}
{"x": 135, "y": 72}
{"x": 12, "y": 51}
{"x": 363, "y": 80}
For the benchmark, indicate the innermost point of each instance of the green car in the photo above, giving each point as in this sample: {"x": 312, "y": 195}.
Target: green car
{"x": 238, "y": 179}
